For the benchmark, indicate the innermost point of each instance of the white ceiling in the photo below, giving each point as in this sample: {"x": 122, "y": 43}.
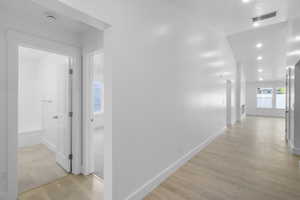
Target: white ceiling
{"x": 33, "y": 12}
{"x": 229, "y": 17}
{"x": 273, "y": 51}
{"x": 293, "y": 42}
{"x": 234, "y": 18}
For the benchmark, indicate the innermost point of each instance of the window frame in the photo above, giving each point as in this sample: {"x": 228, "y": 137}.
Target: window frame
{"x": 275, "y": 96}
{"x": 272, "y": 98}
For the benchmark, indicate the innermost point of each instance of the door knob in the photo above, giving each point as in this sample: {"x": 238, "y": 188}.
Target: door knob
{"x": 55, "y": 117}
{"x": 92, "y": 120}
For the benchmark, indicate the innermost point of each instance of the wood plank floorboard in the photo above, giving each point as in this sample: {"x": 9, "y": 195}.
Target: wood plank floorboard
{"x": 250, "y": 161}
{"x": 70, "y": 187}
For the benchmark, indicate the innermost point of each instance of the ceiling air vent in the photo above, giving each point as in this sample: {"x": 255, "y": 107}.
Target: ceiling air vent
{"x": 265, "y": 16}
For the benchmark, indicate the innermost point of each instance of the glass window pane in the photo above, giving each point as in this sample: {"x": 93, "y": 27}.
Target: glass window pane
{"x": 97, "y": 90}
{"x": 264, "y": 98}
{"x": 280, "y": 98}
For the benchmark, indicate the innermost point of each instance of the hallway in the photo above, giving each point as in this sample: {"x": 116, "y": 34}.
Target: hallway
{"x": 250, "y": 161}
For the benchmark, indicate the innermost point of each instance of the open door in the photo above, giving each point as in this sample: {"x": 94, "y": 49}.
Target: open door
{"x": 64, "y": 116}
{"x": 93, "y": 115}
{"x": 57, "y": 110}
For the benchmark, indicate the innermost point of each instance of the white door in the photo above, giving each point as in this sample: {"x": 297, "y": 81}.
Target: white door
{"x": 91, "y": 126}
{"x": 63, "y": 117}
{"x": 57, "y": 106}
{"x": 93, "y": 115}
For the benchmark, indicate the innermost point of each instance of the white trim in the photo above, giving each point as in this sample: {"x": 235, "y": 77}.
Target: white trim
{"x": 14, "y": 40}
{"x": 49, "y": 145}
{"x": 88, "y": 115}
{"x": 261, "y": 115}
{"x": 293, "y": 149}
{"x": 29, "y": 138}
{"x": 150, "y": 185}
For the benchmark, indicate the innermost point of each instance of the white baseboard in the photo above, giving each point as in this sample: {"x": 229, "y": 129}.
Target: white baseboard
{"x": 265, "y": 115}
{"x": 294, "y": 150}
{"x": 49, "y": 145}
{"x": 30, "y": 138}
{"x": 150, "y": 185}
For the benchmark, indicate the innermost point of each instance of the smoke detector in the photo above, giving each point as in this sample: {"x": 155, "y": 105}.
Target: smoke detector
{"x": 50, "y": 17}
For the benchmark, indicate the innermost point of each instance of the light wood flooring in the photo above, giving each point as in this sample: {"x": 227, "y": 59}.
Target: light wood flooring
{"x": 70, "y": 187}
{"x": 249, "y": 162}
{"x": 37, "y": 166}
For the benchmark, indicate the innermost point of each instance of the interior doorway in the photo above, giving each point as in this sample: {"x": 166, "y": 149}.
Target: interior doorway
{"x": 44, "y": 125}
{"x": 94, "y": 113}
{"x": 70, "y": 35}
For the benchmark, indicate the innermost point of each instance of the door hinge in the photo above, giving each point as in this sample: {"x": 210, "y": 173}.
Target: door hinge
{"x": 70, "y": 114}
{"x": 71, "y": 71}
{"x": 70, "y": 156}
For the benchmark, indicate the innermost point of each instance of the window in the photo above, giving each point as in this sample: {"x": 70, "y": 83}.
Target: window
{"x": 264, "y": 98}
{"x": 280, "y": 98}
{"x": 98, "y": 96}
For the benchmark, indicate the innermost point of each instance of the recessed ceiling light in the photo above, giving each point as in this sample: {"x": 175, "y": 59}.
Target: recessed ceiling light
{"x": 261, "y": 79}
{"x": 260, "y": 70}
{"x": 297, "y": 38}
{"x": 217, "y": 63}
{"x": 245, "y": 1}
{"x": 259, "y": 45}
{"x": 210, "y": 54}
{"x": 259, "y": 58}
{"x": 294, "y": 53}
{"x": 256, "y": 24}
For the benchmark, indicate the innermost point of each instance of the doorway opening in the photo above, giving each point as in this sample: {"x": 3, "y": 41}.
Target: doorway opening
{"x": 94, "y": 113}
{"x": 44, "y": 121}
{"x": 46, "y": 116}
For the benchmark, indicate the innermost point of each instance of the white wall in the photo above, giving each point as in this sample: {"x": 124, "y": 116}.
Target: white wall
{"x": 251, "y": 91}
{"x": 11, "y": 21}
{"x": 30, "y": 107}
{"x": 163, "y": 99}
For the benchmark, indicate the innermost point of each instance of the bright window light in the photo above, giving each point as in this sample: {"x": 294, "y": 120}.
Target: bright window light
{"x": 98, "y": 96}
{"x": 280, "y": 98}
{"x": 294, "y": 53}
{"x": 245, "y": 1}
{"x": 264, "y": 98}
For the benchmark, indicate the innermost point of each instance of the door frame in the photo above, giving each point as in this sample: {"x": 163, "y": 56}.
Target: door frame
{"x": 14, "y": 40}
{"x": 228, "y": 103}
{"x": 88, "y": 114}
